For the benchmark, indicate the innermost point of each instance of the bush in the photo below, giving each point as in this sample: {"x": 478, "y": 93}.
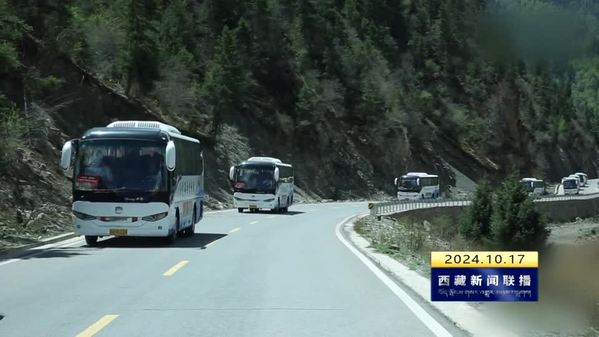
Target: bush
{"x": 8, "y": 57}
{"x": 12, "y": 129}
{"x": 476, "y": 223}
{"x": 516, "y": 224}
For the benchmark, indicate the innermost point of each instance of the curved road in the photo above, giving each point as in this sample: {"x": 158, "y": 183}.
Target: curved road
{"x": 239, "y": 275}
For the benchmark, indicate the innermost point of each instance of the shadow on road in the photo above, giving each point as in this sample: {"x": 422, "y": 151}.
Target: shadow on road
{"x": 51, "y": 253}
{"x": 198, "y": 240}
{"x": 269, "y": 212}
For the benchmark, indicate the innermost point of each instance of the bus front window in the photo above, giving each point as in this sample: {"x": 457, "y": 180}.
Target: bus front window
{"x": 409, "y": 185}
{"x": 255, "y": 179}
{"x": 108, "y": 165}
{"x": 570, "y": 184}
{"x": 526, "y": 186}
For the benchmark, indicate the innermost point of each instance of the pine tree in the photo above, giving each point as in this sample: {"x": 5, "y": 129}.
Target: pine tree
{"x": 225, "y": 82}
{"x": 516, "y": 224}
{"x": 142, "y": 60}
{"x": 475, "y": 225}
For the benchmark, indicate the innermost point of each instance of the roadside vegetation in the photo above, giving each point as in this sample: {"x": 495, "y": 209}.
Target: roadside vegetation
{"x": 500, "y": 219}
{"x": 504, "y": 218}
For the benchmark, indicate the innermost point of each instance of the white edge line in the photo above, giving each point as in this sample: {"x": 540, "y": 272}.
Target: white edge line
{"x": 44, "y": 249}
{"x": 418, "y": 311}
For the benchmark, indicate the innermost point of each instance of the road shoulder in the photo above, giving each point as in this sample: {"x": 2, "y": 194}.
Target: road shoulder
{"x": 464, "y": 316}
{"x": 20, "y": 251}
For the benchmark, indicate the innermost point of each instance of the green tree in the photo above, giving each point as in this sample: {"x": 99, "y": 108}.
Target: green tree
{"x": 226, "y": 81}
{"x": 10, "y": 32}
{"x": 475, "y": 225}
{"x": 12, "y": 130}
{"x": 516, "y": 224}
{"x": 142, "y": 61}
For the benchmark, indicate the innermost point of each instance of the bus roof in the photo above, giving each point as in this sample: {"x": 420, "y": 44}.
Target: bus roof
{"x": 132, "y": 133}
{"x": 419, "y": 174}
{"x": 416, "y": 174}
{"x": 150, "y": 125}
{"x": 530, "y": 179}
{"x": 265, "y": 160}
{"x": 144, "y": 125}
{"x": 269, "y": 159}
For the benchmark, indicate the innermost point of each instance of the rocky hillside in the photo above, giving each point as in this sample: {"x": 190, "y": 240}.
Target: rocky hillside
{"x": 352, "y": 92}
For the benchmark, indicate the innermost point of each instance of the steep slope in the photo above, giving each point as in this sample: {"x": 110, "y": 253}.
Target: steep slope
{"x": 353, "y": 93}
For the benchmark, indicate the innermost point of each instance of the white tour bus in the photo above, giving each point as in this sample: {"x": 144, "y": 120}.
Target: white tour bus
{"x": 417, "y": 185}
{"x": 135, "y": 178}
{"x": 534, "y": 186}
{"x": 583, "y": 178}
{"x": 571, "y": 185}
{"x": 262, "y": 183}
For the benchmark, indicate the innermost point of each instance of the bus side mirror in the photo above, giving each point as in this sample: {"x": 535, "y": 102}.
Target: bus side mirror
{"x": 67, "y": 153}
{"x": 395, "y": 182}
{"x": 277, "y": 174}
{"x": 171, "y": 156}
{"x": 231, "y": 173}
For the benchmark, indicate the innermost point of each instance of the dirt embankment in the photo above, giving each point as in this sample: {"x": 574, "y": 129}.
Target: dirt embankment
{"x": 569, "y": 301}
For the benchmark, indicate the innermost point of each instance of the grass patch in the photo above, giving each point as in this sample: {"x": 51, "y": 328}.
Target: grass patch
{"x": 411, "y": 241}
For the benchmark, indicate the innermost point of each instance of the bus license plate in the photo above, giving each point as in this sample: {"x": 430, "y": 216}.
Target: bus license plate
{"x": 118, "y": 232}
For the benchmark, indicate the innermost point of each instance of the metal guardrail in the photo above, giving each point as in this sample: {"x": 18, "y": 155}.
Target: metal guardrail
{"x": 398, "y": 206}
{"x": 550, "y": 198}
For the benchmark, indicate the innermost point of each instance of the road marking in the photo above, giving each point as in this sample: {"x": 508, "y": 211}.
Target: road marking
{"x": 253, "y": 222}
{"x": 271, "y": 216}
{"x": 210, "y": 244}
{"x": 234, "y": 230}
{"x": 96, "y": 327}
{"x": 175, "y": 268}
{"x": 418, "y": 311}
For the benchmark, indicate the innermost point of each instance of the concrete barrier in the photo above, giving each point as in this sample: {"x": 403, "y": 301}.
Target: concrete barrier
{"x": 554, "y": 211}
{"x": 421, "y": 214}
{"x": 568, "y": 210}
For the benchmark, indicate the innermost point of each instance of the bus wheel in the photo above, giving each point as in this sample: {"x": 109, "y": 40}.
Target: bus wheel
{"x": 286, "y": 208}
{"x": 189, "y": 231}
{"x": 172, "y": 236}
{"x": 240, "y": 210}
{"x": 91, "y": 240}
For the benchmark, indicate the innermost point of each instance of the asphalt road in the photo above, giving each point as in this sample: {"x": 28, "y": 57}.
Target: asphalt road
{"x": 239, "y": 275}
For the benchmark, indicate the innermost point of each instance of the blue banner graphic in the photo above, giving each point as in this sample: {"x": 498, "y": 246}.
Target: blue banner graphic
{"x": 485, "y": 284}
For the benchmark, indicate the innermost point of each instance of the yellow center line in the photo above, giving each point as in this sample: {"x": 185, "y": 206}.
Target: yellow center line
{"x": 253, "y": 222}
{"x": 96, "y": 327}
{"x": 175, "y": 268}
{"x": 234, "y": 230}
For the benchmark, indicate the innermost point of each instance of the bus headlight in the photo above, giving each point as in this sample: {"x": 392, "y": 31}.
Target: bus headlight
{"x": 83, "y": 216}
{"x": 155, "y": 217}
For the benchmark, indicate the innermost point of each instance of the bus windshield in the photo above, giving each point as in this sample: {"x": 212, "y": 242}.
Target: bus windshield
{"x": 115, "y": 165}
{"x": 570, "y": 184}
{"x": 527, "y": 186}
{"x": 409, "y": 184}
{"x": 254, "y": 179}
